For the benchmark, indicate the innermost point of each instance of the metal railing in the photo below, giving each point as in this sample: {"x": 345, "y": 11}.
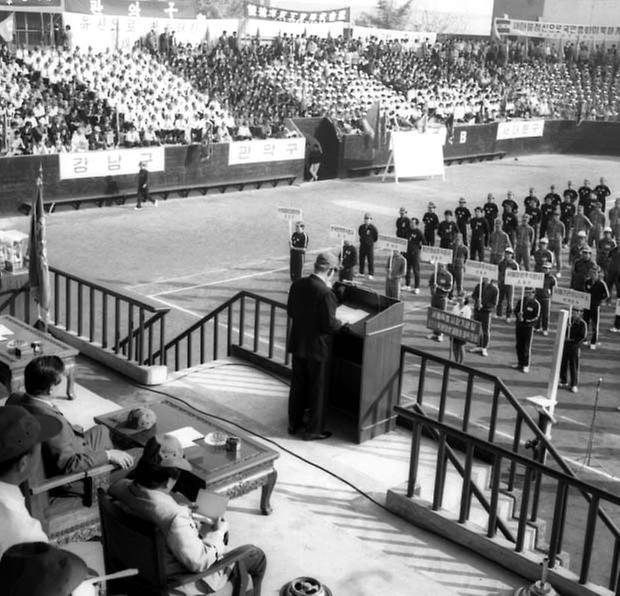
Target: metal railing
{"x": 247, "y": 320}
{"x": 126, "y": 325}
{"x": 16, "y": 303}
{"x": 480, "y": 411}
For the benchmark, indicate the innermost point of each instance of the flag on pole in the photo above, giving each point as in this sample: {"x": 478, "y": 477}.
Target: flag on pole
{"x": 7, "y": 28}
{"x": 38, "y": 270}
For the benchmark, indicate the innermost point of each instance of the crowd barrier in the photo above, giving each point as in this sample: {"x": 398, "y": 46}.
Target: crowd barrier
{"x": 342, "y": 156}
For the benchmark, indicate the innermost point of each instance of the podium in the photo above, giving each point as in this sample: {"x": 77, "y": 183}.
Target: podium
{"x": 365, "y": 361}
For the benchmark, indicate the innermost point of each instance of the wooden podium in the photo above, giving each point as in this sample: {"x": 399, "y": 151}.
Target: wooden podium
{"x": 365, "y": 362}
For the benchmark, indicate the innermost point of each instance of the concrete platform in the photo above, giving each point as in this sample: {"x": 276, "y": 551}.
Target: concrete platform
{"x": 329, "y": 519}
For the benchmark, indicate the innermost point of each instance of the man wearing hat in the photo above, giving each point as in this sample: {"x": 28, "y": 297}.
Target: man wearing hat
{"x": 402, "y": 224}
{"x": 414, "y": 247}
{"x": 463, "y": 217}
{"x": 431, "y": 223}
{"x": 584, "y": 271}
{"x": 576, "y": 333}
{"x": 312, "y": 308}
{"x": 599, "y": 293}
{"x": 603, "y": 251}
{"x": 543, "y": 295}
{"x": 70, "y": 450}
{"x": 556, "y": 233}
{"x": 567, "y": 212}
{"x": 498, "y": 243}
{"x": 505, "y": 290}
{"x": 298, "y": 245}
{"x": 479, "y": 234}
{"x": 143, "y": 187}
{"x": 447, "y": 230}
{"x": 542, "y": 255}
{"x": 485, "y": 296}
{"x": 193, "y": 543}
{"x": 580, "y": 223}
{"x": 368, "y": 235}
{"x": 577, "y": 247}
{"x": 527, "y": 311}
{"x": 491, "y": 211}
{"x": 20, "y": 436}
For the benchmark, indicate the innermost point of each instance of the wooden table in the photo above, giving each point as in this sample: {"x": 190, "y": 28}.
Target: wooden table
{"x": 12, "y": 367}
{"x": 215, "y": 469}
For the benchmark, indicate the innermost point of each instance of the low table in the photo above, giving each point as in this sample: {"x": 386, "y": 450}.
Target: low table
{"x": 12, "y": 367}
{"x": 215, "y": 469}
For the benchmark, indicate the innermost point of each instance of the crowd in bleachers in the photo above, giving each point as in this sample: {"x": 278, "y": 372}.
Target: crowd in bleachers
{"x": 165, "y": 92}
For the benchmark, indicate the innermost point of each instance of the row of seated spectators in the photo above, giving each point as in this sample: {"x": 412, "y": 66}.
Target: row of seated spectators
{"x": 67, "y": 99}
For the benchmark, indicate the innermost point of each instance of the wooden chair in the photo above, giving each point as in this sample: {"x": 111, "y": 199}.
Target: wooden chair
{"x": 130, "y": 542}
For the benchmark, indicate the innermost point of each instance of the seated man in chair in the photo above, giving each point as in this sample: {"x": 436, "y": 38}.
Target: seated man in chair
{"x": 71, "y": 450}
{"x": 191, "y": 546}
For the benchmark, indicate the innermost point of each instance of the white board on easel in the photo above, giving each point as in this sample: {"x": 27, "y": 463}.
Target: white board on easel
{"x": 415, "y": 155}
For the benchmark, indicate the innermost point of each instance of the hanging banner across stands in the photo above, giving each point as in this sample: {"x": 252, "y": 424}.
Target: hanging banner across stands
{"x": 417, "y": 155}
{"x": 273, "y": 13}
{"x": 481, "y": 269}
{"x": 242, "y": 152}
{"x": 434, "y": 254}
{"x": 520, "y": 129}
{"x": 342, "y": 233}
{"x": 17, "y": 4}
{"x": 117, "y": 162}
{"x": 391, "y": 243}
{"x": 571, "y": 298}
{"x": 453, "y": 325}
{"x": 525, "y": 279}
{"x": 557, "y": 30}
{"x": 177, "y": 9}
{"x": 410, "y": 38}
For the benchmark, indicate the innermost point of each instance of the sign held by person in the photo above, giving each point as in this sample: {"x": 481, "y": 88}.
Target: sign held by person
{"x": 453, "y": 325}
{"x": 434, "y": 254}
{"x": 571, "y": 298}
{"x": 481, "y": 269}
{"x": 391, "y": 243}
{"x": 341, "y": 233}
{"x": 290, "y": 214}
{"x": 525, "y": 279}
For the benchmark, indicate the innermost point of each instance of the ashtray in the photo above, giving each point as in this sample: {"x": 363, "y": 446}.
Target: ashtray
{"x": 216, "y": 439}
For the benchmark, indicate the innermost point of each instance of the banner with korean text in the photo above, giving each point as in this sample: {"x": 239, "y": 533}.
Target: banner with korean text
{"x": 571, "y": 298}
{"x": 117, "y": 162}
{"x": 520, "y": 129}
{"x": 258, "y": 11}
{"x": 391, "y": 243}
{"x": 525, "y": 279}
{"x": 341, "y": 233}
{"x": 434, "y": 254}
{"x": 242, "y": 152}
{"x": 481, "y": 269}
{"x": 598, "y": 33}
{"x": 452, "y": 325}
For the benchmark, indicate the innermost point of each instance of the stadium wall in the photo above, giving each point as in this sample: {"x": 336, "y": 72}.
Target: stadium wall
{"x": 184, "y": 166}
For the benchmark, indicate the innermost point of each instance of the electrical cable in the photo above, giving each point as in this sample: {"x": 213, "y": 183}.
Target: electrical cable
{"x": 262, "y": 437}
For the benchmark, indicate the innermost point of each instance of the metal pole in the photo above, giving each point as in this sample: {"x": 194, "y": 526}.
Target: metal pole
{"x": 594, "y": 413}
{"x": 554, "y": 377}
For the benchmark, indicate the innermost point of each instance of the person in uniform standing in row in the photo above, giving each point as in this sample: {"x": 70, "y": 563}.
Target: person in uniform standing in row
{"x": 542, "y": 255}
{"x": 143, "y": 187}
{"x": 447, "y": 230}
{"x": 491, "y": 212}
{"x": 575, "y": 335}
{"x": 510, "y": 223}
{"x": 556, "y": 233}
{"x": 527, "y": 311}
{"x": 298, "y": 245}
{"x": 599, "y": 293}
{"x": 597, "y": 217}
{"x": 602, "y": 191}
{"x": 585, "y": 271}
{"x": 580, "y": 223}
{"x": 414, "y": 246}
{"x": 368, "y": 235}
{"x": 479, "y": 234}
{"x": 463, "y": 217}
{"x": 603, "y": 252}
{"x": 567, "y": 212}
{"x": 485, "y": 299}
{"x": 440, "y": 284}
{"x": 461, "y": 308}
{"x": 525, "y": 241}
{"x": 543, "y": 295}
{"x": 614, "y": 220}
{"x": 498, "y": 243}
{"x": 546, "y": 215}
{"x": 459, "y": 257}
{"x": 402, "y": 224}
{"x": 509, "y": 203}
{"x": 431, "y": 223}
{"x": 395, "y": 269}
{"x": 348, "y": 261}
{"x": 505, "y": 290}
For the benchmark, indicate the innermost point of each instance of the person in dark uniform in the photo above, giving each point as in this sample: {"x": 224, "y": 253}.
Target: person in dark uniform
{"x": 414, "y": 246}
{"x": 505, "y": 290}
{"x": 602, "y": 191}
{"x": 491, "y": 212}
{"x": 143, "y": 187}
{"x": 485, "y": 302}
{"x": 575, "y": 335}
{"x": 441, "y": 286}
{"x": 542, "y": 255}
{"x": 463, "y": 217}
{"x": 348, "y": 261}
{"x": 543, "y": 295}
{"x": 510, "y": 224}
{"x": 546, "y": 214}
{"x": 554, "y": 196}
{"x": 571, "y": 193}
{"x": 603, "y": 251}
{"x": 585, "y": 271}
{"x": 368, "y": 235}
{"x": 599, "y": 293}
{"x": 479, "y": 234}
{"x": 567, "y": 212}
{"x": 510, "y": 203}
{"x": 447, "y": 231}
{"x": 402, "y": 224}
{"x": 527, "y": 311}
{"x": 535, "y": 216}
{"x": 584, "y": 193}
{"x": 395, "y": 269}
{"x": 298, "y": 245}
{"x": 312, "y": 308}
{"x": 531, "y": 200}
{"x": 431, "y": 223}
{"x": 460, "y": 255}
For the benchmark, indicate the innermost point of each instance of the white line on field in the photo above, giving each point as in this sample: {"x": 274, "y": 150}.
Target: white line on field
{"x": 171, "y": 279}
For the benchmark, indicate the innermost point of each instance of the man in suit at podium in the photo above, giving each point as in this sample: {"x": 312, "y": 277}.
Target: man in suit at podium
{"x": 312, "y": 308}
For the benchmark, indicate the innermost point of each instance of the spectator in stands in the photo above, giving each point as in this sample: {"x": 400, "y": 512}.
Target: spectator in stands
{"x": 71, "y": 450}
{"x": 192, "y": 544}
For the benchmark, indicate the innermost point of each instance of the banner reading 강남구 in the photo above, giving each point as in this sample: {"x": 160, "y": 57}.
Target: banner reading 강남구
{"x": 96, "y": 164}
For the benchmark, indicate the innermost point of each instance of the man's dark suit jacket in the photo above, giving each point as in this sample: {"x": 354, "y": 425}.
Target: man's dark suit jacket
{"x": 67, "y": 452}
{"x": 312, "y": 307}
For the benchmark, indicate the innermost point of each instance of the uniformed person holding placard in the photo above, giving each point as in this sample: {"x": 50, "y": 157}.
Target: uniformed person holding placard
{"x": 414, "y": 247}
{"x": 298, "y": 245}
{"x": 368, "y": 235}
{"x": 441, "y": 286}
{"x": 527, "y": 311}
{"x": 575, "y": 335}
{"x": 485, "y": 298}
{"x": 479, "y": 235}
{"x": 599, "y": 293}
{"x": 348, "y": 261}
{"x": 506, "y": 291}
{"x": 543, "y": 295}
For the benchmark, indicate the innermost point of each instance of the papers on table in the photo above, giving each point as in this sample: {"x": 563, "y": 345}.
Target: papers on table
{"x": 5, "y": 332}
{"x": 186, "y": 435}
{"x": 210, "y": 504}
{"x": 349, "y": 315}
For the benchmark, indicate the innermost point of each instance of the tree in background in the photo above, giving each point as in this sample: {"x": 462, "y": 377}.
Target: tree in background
{"x": 222, "y": 9}
{"x": 387, "y": 15}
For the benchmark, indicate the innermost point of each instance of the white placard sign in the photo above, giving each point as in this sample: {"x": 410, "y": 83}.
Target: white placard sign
{"x": 118, "y": 162}
{"x": 571, "y": 298}
{"x": 240, "y": 152}
{"x": 520, "y": 129}
{"x": 481, "y": 269}
{"x": 417, "y": 155}
{"x": 525, "y": 279}
{"x": 391, "y": 243}
{"x": 289, "y": 214}
{"x": 433, "y": 254}
{"x": 342, "y": 233}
